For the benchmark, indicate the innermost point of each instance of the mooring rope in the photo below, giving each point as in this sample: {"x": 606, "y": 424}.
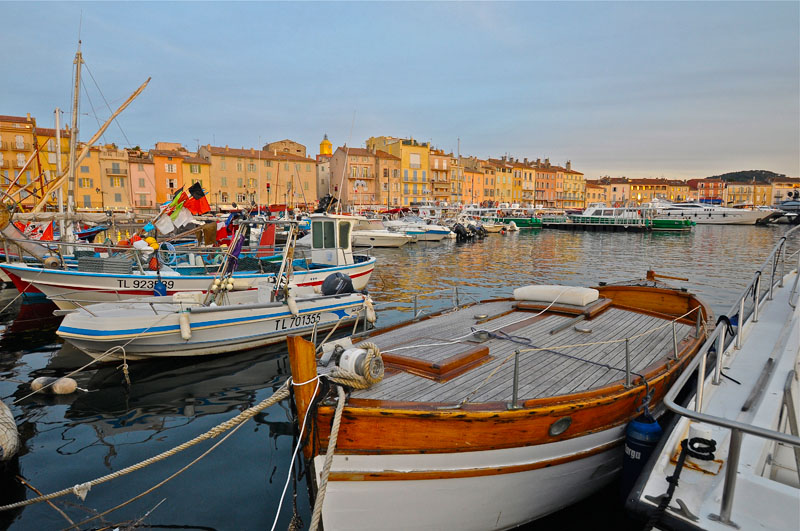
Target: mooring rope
{"x": 323, "y": 482}
{"x": 82, "y": 489}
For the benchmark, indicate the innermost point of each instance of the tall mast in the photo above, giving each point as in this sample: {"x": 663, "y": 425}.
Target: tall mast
{"x": 73, "y": 139}
{"x": 60, "y": 190}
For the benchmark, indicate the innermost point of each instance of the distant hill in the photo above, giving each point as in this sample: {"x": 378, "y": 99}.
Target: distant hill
{"x": 760, "y": 176}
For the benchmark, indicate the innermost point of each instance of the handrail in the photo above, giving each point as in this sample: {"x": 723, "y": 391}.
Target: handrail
{"x": 718, "y": 338}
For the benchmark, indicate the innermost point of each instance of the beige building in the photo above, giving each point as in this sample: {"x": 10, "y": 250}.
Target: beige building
{"x": 414, "y": 165}
{"x": 440, "y": 165}
{"x": 288, "y": 146}
{"x": 114, "y": 182}
{"x": 594, "y": 193}
{"x": 262, "y": 177}
{"x": 367, "y": 178}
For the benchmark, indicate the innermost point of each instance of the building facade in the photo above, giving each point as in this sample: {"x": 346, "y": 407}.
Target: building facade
{"x": 414, "y": 164}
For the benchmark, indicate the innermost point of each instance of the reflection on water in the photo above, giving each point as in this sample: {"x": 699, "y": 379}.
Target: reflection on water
{"x": 72, "y": 439}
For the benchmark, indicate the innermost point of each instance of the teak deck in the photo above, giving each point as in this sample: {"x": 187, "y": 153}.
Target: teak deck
{"x": 440, "y": 360}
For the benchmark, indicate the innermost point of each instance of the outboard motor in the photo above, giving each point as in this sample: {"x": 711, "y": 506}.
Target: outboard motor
{"x": 641, "y": 438}
{"x": 336, "y": 284}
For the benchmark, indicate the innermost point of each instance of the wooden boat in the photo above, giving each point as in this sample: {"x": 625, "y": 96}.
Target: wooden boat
{"x": 497, "y": 413}
{"x": 741, "y": 469}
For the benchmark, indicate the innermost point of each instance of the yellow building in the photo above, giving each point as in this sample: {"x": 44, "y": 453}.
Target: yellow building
{"x": 88, "y": 181}
{"x": 574, "y": 188}
{"x": 594, "y": 193}
{"x": 114, "y": 182}
{"x": 677, "y": 190}
{"x": 504, "y": 180}
{"x": 441, "y": 164}
{"x": 781, "y": 187}
{"x": 414, "y": 164}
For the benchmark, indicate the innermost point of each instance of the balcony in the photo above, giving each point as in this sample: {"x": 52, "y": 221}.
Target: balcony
{"x": 20, "y": 146}
{"x": 117, "y": 171}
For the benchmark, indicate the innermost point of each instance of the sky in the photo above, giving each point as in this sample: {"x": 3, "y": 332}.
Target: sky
{"x": 637, "y": 89}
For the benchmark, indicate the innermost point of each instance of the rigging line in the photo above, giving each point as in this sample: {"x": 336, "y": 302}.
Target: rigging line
{"x": 107, "y": 105}
{"x": 94, "y": 112}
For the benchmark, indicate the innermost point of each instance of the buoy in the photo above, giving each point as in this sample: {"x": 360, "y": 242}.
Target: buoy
{"x": 292, "y": 305}
{"x": 641, "y": 438}
{"x": 370, "y": 310}
{"x": 54, "y": 386}
{"x": 9, "y": 436}
{"x": 186, "y": 328}
{"x": 159, "y": 289}
{"x": 153, "y": 265}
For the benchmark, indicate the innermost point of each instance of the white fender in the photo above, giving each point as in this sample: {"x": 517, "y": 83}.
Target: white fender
{"x": 186, "y": 328}
{"x": 292, "y": 305}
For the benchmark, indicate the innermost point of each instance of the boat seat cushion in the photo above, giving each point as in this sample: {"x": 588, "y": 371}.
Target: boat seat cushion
{"x": 576, "y": 296}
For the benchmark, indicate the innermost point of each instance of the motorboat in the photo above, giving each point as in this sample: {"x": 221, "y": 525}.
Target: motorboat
{"x": 424, "y": 230}
{"x": 372, "y": 233}
{"x": 493, "y": 414}
{"x": 114, "y": 279}
{"x": 705, "y": 213}
{"x": 634, "y": 217}
{"x": 218, "y": 320}
{"x": 730, "y": 458}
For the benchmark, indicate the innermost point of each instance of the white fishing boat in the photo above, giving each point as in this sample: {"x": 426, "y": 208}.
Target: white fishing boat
{"x": 217, "y": 321}
{"x": 492, "y": 414}
{"x": 115, "y": 280}
{"x": 731, "y": 457}
{"x": 704, "y": 214}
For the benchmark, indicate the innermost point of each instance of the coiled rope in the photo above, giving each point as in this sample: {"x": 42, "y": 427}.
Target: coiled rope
{"x": 82, "y": 489}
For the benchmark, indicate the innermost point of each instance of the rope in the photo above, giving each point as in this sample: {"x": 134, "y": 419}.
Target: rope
{"x": 82, "y": 489}
{"x": 323, "y": 483}
{"x": 369, "y": 373}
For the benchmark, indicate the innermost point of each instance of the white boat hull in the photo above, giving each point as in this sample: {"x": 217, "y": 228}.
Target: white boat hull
{"x": 68, "y": 289}
{"x": 727, "y": 217}
{"x": 379, "y": 238}
{"x": 136, "y": 328}
{"x": 496, "y": 489}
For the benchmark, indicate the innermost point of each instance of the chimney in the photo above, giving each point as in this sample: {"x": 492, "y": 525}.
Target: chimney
{"x": 569, "y": 165}
{"x": 252, "y": 151}
{"x": 547, "y": 163}
{"x": 538, "y": 162}
{"x": 525, "y": 161}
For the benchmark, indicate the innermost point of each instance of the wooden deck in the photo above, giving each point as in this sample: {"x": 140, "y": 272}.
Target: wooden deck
{"x": 445, "y": 340}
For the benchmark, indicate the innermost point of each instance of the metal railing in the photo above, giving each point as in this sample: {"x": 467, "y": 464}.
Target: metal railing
{"x": 774, "y": 265}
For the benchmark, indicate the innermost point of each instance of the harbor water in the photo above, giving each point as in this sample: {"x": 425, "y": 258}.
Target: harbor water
{"x": 108, "y": 425}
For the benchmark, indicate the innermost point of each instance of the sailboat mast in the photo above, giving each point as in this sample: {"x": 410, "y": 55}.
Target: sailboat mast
{"x": 60, "y": 190}
{"x": 73, "y": 139}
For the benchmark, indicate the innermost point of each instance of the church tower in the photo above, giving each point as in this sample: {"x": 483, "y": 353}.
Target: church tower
{"x": 325, "y": 146}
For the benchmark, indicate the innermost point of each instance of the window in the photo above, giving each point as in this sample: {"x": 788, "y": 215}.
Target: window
{"x": 84, "y": 182}
{"x": 115, "y": 182}
{"x": 424, "y": 176}
{"x": 395, "y": 173}
{"x": 142, "y": 200}
{"x": 51, "y": 158}
{"x": 241, "y": 198}
{"x": 251, "y": 167}
{"x": 252, "y": 183}
{"x": 344, "y": 234}
{"x": 118, "y": 198}
{"x": 286, "y": 166}
{"x": 169, "y": 168}
{"x": 222, "y": 164}
{"x": 308, "y": 167}
{"x": 224, "y": 197}
{"x": 239, "y": 182}
{"x": 414, "y": 160}
{"x": 141, "y": 182}
{"x": 268, "y": 163}
{"x": 405, "y": 175}
{"x": 20, "y": 142}
{"x": 140, "y": 166}
{"x": 87, "y": 201}
{"x": 194, "y": 168}
{"x": 323, "y": 235}
{"x": 223, "y": 181}
{"x": 172, "y": 183}
{"x": 238, "y": 166}
{"x": 415, "y": 175}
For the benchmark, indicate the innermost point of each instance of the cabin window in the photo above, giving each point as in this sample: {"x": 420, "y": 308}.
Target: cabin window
{"x": 324, "y": 235}
{"x": 344, "y": 234}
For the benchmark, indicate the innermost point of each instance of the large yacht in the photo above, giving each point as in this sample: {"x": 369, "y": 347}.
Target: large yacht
{"x": 707, "y": 214}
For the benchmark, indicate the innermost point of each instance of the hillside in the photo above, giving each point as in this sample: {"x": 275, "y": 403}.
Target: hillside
{"x": 760, "y": 176}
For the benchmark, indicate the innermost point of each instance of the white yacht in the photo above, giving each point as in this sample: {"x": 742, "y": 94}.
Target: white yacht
{"x": 703, "y": 214}
{"x": 731, "y": 457}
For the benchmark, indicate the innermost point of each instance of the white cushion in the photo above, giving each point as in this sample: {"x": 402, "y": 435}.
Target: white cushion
{"x": 573, "y": 295}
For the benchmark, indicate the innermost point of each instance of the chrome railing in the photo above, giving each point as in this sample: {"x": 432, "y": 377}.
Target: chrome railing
{"x": 774, "y": 264}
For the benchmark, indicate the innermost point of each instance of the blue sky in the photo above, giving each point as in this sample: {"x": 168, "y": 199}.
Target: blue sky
{"x": 649, "y": 89}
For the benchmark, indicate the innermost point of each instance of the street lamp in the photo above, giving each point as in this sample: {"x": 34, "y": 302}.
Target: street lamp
{"x": 102, "y": 198}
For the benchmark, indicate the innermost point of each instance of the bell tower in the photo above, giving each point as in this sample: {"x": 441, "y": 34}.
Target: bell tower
{"x": 325, "y": 146}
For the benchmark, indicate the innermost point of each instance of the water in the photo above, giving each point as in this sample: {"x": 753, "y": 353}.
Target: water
{"x": 72, "y": 439}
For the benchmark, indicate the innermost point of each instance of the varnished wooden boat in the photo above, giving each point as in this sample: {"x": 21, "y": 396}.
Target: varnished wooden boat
{"x": 446, "y": 440}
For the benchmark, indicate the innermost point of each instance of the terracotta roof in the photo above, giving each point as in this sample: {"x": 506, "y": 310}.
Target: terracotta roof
{"x": 15, "y": 119}
{"x": 258, "y": 154}
{"x": 195, "y": 160}
{"x": 383, "y": 155}
{"x": 43, "y": 131}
